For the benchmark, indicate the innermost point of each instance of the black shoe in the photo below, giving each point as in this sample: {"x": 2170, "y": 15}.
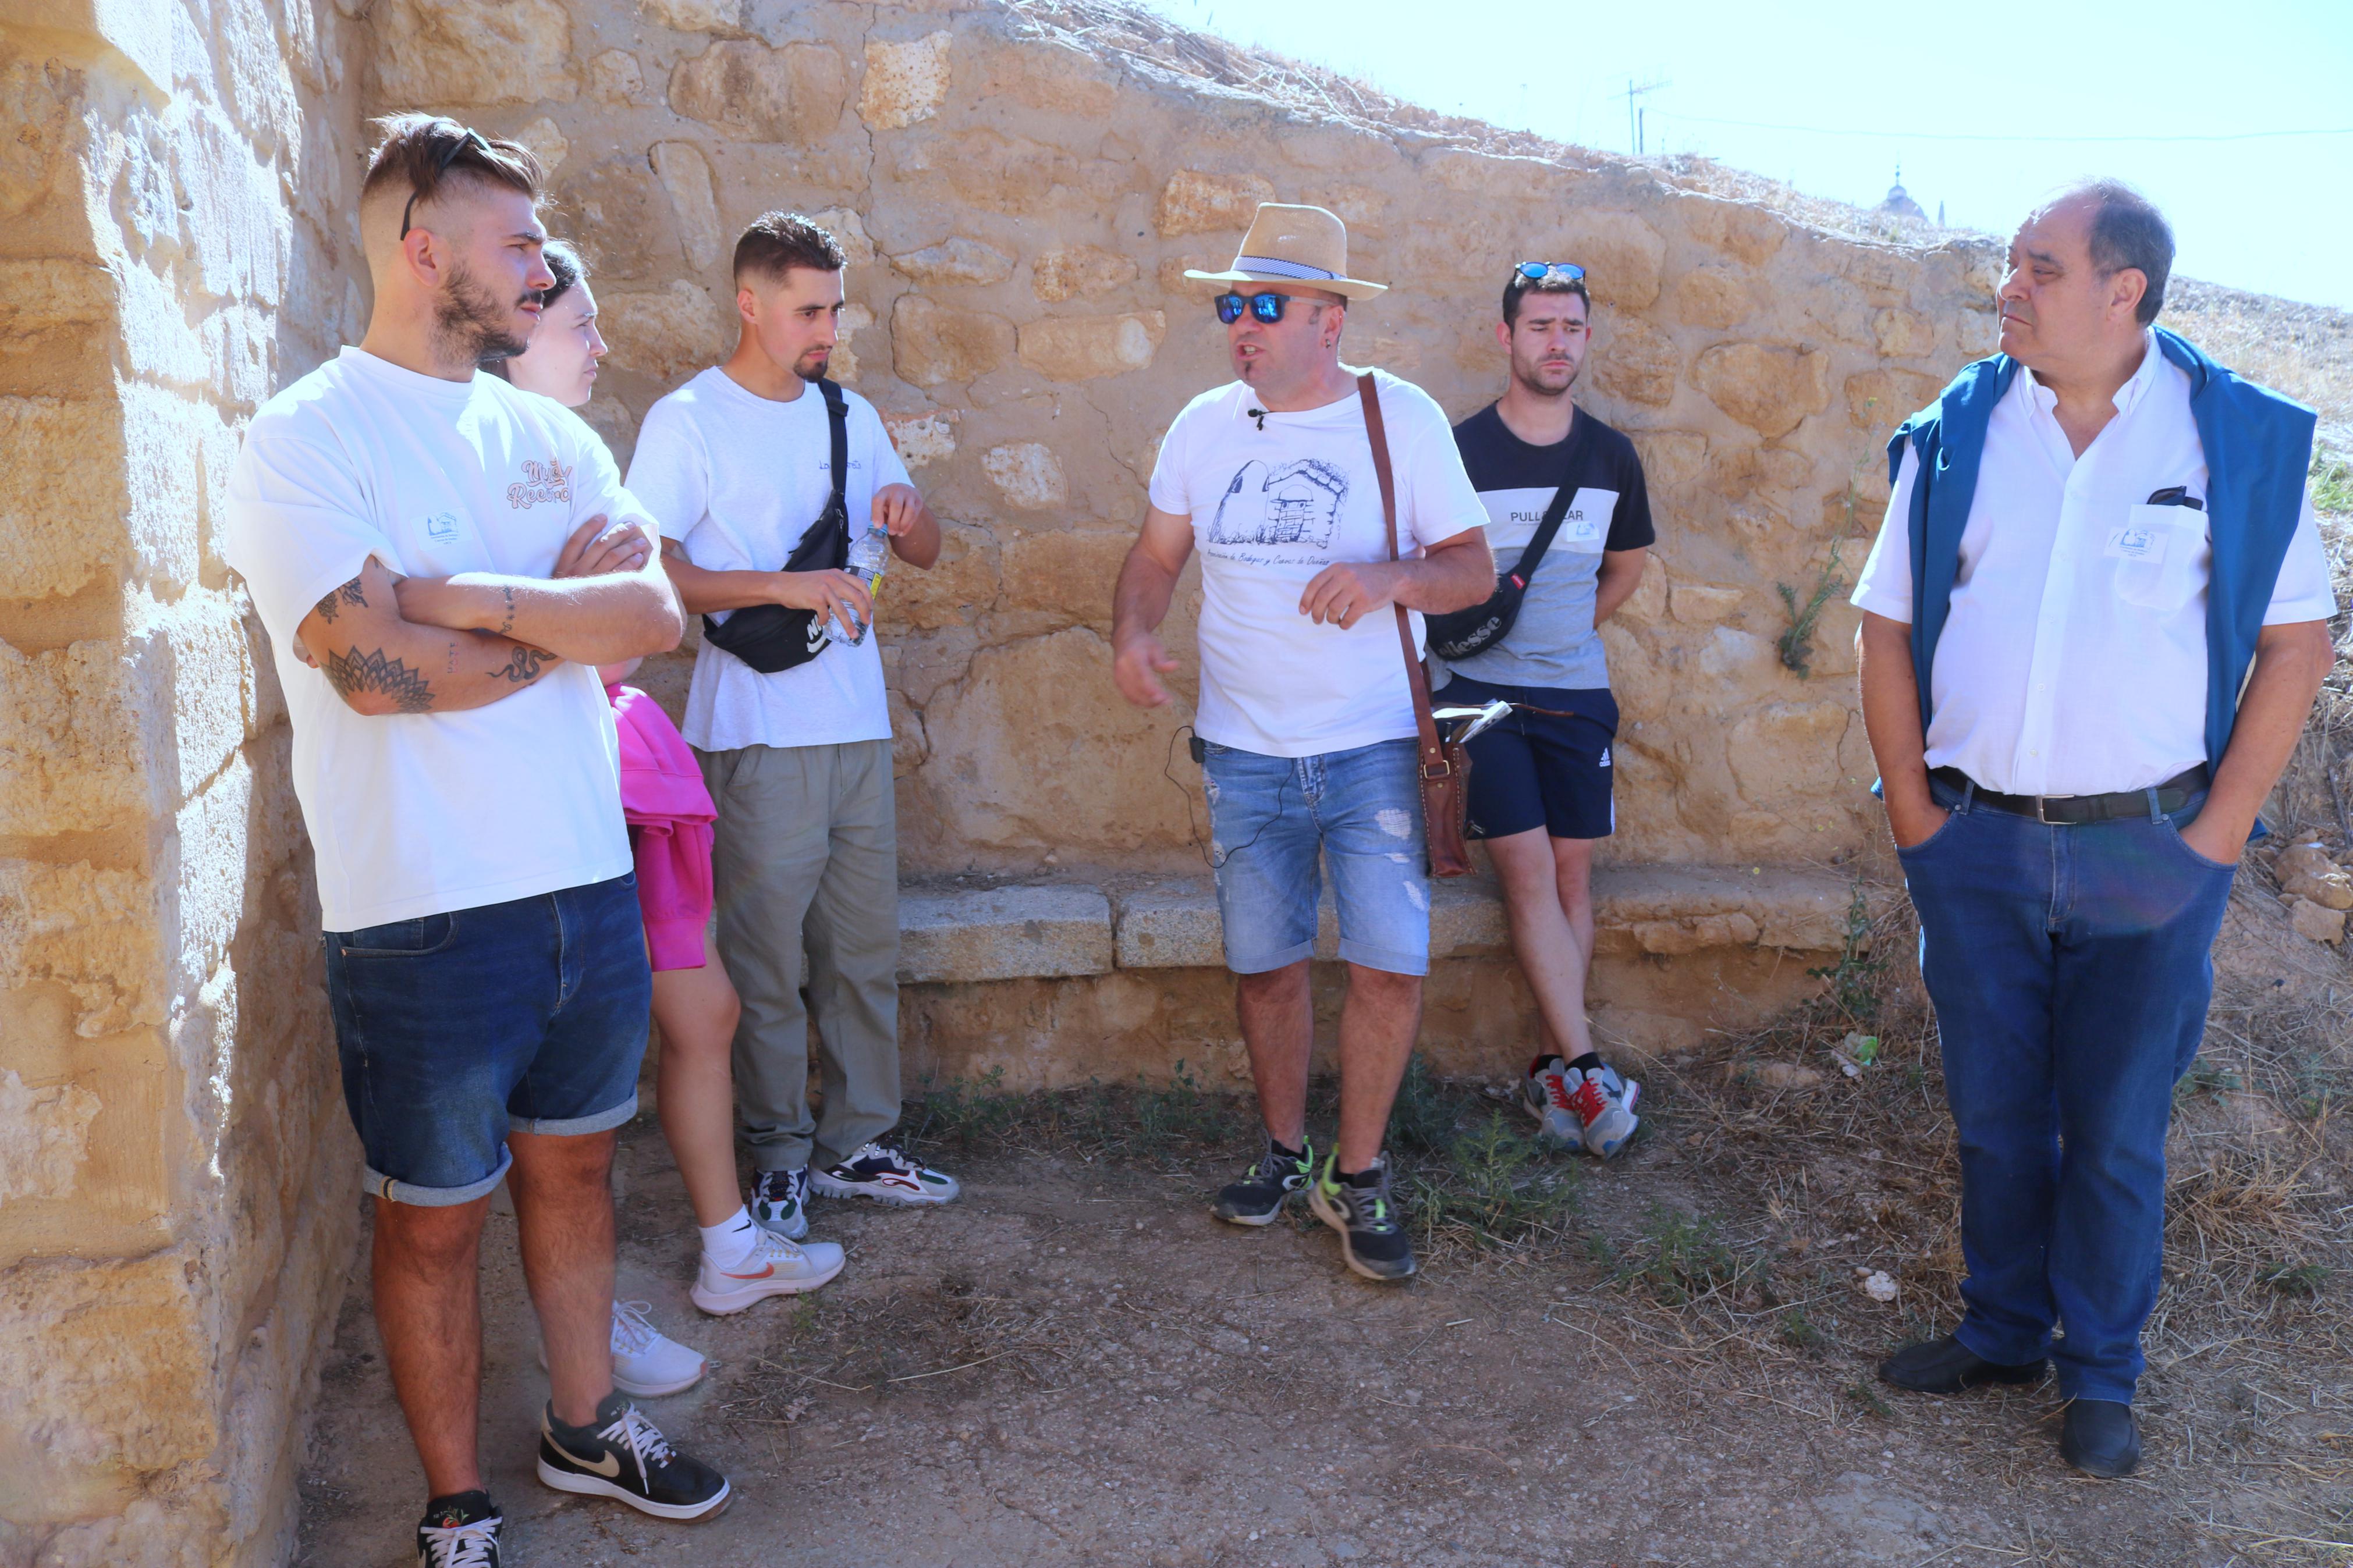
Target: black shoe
{"x": 1258, "y": 1198}
{"x": 1947, "y": 1366}
{"x": 2100, "y": 1437}
{"x": 621, "y": 1456}
{"x": 460, "y": 1531}
{"x": 1372, "y": 1234}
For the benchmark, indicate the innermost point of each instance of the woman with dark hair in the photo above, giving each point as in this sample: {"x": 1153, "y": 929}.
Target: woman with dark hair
{"x": 670, "y": 816}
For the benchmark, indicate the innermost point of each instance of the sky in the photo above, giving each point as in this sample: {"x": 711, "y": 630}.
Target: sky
{"x": 1892, "y": 84}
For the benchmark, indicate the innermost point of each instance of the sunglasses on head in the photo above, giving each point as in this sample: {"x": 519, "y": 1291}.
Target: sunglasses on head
{"x": 1262, "y": 307}
{"x": 1538, "y": 271}
{"x": 468, "y": 137}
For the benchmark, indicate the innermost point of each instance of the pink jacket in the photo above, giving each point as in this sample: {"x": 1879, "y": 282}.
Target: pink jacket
{"x": 666, "y": 805}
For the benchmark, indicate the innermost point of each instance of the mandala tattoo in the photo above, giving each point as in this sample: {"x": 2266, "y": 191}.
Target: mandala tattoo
{"x": 333, "y": 605}
{"x": 522, "y": 665}
{"x": 357, "y": 672}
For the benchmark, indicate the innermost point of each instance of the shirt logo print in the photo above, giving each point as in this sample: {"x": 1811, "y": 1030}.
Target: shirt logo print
{"x": 1298, "y": 503}
{"x": 548, "y": 481}
{"x": 442, "y": 525}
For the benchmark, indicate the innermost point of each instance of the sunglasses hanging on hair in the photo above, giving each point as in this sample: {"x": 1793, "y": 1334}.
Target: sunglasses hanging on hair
{"x": 471, "y": 138}
{"x": 1538, "y": 271}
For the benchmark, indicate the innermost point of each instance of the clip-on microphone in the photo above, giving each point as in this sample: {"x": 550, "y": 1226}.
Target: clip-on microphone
{"x": 1259, "y": 414}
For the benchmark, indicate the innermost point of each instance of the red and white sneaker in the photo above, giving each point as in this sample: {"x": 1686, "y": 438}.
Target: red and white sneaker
{"x": 881, "y": 1171}
{"x": 776, "y": 1267}
{"x": 1592, "y": 1108}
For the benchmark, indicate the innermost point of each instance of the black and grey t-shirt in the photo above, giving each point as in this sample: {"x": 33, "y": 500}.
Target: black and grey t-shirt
{"x": 1552, "y": 644}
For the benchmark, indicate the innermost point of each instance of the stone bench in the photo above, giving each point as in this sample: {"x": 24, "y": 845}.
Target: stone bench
{"x": 1056, "y": 930}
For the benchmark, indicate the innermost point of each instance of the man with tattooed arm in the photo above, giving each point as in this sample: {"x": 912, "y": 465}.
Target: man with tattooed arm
{"x": 441, "y": 562}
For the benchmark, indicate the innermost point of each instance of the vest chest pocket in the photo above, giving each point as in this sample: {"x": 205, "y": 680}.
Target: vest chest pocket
{"x": 2161, "y": 555}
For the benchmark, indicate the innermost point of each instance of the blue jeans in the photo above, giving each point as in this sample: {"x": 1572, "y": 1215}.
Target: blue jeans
{"x": 1270, "y": 818}
{"x": 2071, "y": 967}
{"x": 456, "y": 1028}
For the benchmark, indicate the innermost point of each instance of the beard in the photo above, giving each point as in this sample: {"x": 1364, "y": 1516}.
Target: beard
{"x": 468, "y": 318}
{"x": 1532, "y": 378}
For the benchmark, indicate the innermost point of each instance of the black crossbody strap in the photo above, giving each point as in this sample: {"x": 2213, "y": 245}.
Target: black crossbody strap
{"x": 1546, "y": 526}
{"x": 836, "y": 420}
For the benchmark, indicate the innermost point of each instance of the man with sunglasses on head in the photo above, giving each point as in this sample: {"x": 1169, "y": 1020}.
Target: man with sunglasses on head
{"x": 1306, "y": 723}
{"x": 1569, "y": 518}
{"x": 441, "y": 562}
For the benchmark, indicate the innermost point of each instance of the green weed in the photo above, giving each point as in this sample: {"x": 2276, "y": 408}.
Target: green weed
{"x": 1855, "y": 980}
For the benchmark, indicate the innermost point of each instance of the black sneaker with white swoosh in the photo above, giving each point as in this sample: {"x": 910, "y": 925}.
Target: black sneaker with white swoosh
{"x": 881, "y": 1171}
{"x": 622, "y": 1456}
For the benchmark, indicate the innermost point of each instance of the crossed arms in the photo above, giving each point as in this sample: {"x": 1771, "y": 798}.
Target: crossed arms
{"x": 440, "y": 645}
{"x": 1452, "y": 574}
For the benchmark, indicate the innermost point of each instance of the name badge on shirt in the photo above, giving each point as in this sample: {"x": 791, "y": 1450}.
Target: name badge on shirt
{"x": 1585, "y": 527}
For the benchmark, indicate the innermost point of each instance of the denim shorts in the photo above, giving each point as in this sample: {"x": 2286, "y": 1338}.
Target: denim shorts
{"x": 455, "y": 1029}
{"x": 1360, "y": 810}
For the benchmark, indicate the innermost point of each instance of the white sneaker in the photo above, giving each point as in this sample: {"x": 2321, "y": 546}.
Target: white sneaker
{"x": 776, "y": 1267}
{"x": 884, "y": 1171}
{"x": 645, "y": 1362}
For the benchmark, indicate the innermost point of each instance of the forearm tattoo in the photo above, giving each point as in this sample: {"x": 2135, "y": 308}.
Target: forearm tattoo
{"x": 507, "y": 624}
{"x": 331, "y": 605}
{"x": 522, "y": 665}
{"x": 356, "y": 671}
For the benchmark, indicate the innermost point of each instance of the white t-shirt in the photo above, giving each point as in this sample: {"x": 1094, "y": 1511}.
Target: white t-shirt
{"x": 1273, "y": 508}
{"x": 417, "y": 813}
{"x": 2072, "y": 659}
{"x": 737, "y": 479}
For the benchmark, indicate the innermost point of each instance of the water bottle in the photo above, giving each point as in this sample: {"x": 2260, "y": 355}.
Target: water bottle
{"x": 869, "y": 554}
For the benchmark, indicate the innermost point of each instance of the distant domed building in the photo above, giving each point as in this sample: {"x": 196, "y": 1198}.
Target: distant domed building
{"x": 1899, "y": 202}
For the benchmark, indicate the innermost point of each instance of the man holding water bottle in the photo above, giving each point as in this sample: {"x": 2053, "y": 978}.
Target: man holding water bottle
{"x": 780, "y": 554}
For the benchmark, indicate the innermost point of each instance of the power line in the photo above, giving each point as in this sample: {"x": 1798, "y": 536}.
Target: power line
{"x": 1982, "y": 136}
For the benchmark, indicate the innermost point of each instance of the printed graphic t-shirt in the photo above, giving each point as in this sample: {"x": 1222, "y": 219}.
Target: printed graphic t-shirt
{"x": 737, "y": 479}
{"x": 419, "y": 814}
{"x": 1552, "y": 644}
{"x": 1273, "y": 508}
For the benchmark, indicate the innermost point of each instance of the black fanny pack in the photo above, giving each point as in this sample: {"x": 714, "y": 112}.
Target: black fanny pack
{"x": 1459, "y": 634}
{"x": 770, "y": 638}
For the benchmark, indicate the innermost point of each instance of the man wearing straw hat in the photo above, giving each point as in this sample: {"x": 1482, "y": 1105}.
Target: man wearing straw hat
{"x": 1305, "y": 728}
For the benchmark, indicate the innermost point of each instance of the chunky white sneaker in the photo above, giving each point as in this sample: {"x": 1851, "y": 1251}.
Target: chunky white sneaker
{"x": 645, "y": 1362}
{"x": 776, "y": 1267}
{"x": 881, "y": 1171}
{"x": 780, "y": 1201}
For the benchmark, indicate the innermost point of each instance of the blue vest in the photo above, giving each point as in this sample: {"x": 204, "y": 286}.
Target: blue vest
{"x": 2258, "y": 449}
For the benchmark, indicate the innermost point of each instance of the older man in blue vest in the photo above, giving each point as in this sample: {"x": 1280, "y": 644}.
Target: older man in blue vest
{"x": 2095, "y": 621}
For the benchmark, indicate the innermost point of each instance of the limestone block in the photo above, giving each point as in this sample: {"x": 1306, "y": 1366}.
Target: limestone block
{"x": 932, "y": 345}
{"x": 904, "y": 82}
{"x": 618, "y": 212}
{"x": 91, "y": 932}
{"x": 1786, "y": 753}
{"x": 848, "y": 230}
{"x": 923, "y": 438}
{"x": 1057, "y": 78}
{"x": 546, "y": 142}
{"x": 908, "y": 745}
{"x": 1003, "y": 933}
{"x": 1770, "y": 390}
{"x": 985, "y": 168}
{"x": 1904, "y": 334}
{"x": 1880, "y": 400}
{"x": 1170, "y": 926}
{"x": 1637, "y": 362}
{"x": 2314, "y": 923}
{"x": 70, "y": 741}
{"x": 693, "y": 198}
{"x": 1623, "y": 255}
{"x": 1885, "y": 276}
{"x": 961, "y": 585}
{"x": 1064, "y": 578}
{"x": 956, "y": 260}
{"x": 694, "y": 15}
{"x": 1713, "y": 297}
{"x": 107, "y": 1364}
{"x": 615, "y": 77}
{"x": 44, "y": 1137}
{"x": 1079, "y": 271}
{"x": 1081, "y": 348}
{"x": 473, "y": 51}
{"x": 63, "y": 480}
{"x": 1196, "y": 203}
{"x": 1467, "y": 919}
{"x": 1027, "y": 474}
{"x": 1751, "y": 233}
{"x": 794, "y": 94}
{"x": 667, "y": 333}
{"x": 53, "y": 317}
{"x": 1694, "y": 932}
{"x": 1703, "y": 604}
{"x": 1742, "y": 472}
{"x": 1671, "y": 458}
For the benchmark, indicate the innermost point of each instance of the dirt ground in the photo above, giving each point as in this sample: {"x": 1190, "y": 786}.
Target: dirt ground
{"x": 1664, "y": 1361}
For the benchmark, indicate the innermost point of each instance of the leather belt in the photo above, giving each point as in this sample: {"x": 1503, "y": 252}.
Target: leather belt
{"x": 2070, "y": 810}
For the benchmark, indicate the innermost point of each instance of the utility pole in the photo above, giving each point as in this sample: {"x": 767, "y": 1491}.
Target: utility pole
{"x": 1634, "y": 116}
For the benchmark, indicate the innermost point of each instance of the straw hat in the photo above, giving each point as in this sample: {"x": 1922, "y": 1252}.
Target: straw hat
{"x": 1294, "y": 244}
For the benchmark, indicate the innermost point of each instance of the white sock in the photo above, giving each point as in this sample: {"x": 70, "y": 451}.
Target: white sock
{"x": 730, "y": 1241}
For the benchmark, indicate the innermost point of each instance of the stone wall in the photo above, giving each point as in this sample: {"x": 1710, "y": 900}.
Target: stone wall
{"x": 177, "y": 1177}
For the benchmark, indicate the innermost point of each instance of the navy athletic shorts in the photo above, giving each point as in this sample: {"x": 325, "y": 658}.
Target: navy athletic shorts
{"x": 1536, "y": 771}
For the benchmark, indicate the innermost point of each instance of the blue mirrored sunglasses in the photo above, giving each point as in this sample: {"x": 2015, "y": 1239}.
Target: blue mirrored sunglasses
{"x": 1537, "y": 271}
{"x": 1263, "y": 307}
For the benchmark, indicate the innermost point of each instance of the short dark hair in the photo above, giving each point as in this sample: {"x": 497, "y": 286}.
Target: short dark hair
{"x": 1520, "y": 284}
{"x": 413, "y": 159}
{"x": 2128, "y": 231}
{"x": 570, "y": 272}
{"x": 775, "y": 243}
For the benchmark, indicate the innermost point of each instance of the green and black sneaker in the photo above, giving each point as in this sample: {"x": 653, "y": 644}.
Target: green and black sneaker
{"x": 1372, "y": 1232}
{"x": 1258, "y": 1198}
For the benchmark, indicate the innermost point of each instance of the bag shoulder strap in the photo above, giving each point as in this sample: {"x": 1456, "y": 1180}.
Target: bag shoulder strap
{"x": 836, "y": 420}
{"x": 1546, "y": 526}
{"x": 1433, "y": 751}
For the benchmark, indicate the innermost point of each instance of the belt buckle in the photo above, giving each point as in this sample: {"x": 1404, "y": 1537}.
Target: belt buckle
{"x": 2042, "y": 814}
